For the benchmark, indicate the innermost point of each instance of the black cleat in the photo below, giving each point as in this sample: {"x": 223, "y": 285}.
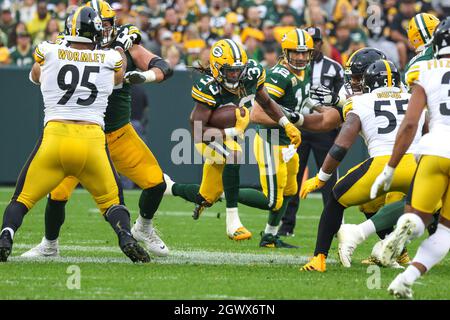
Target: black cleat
{"x": 5, "y": 245}
{"x": 199, "y": 208}
{"x": 132, "y": 249}
{"x": 270, "y": 241}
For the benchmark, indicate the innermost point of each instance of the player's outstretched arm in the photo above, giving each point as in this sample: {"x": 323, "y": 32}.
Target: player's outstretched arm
{"x": 35, "y": 73}
{"x": 328, "y": 119}
{"x": 409, "y": 125}
{"x": 155, "y": 68}
{"x": 343, "y": 142}
{"x": 273, "y": 110}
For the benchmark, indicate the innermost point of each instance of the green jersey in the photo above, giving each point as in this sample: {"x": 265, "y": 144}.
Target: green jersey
{"x": 424, "y": 55}
{"x": 118, "y": 111}
{"x": 289, "y": 91}
{"x": 21, "y": 59}
{"x": 208, "y": 92}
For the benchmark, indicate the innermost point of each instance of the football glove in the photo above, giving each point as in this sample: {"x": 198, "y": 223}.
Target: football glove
{"x": 294, "y": 134}
{"x": 123, "y": 40}
{"x": 311, "y": 185}
{"x": 135, "y": 77}
{"x": 242, "y": 121}
{"x": 383, "y": 180}
{"x": 324, "y": 95}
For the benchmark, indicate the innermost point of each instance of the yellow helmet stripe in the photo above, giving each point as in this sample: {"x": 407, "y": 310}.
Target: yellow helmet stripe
{"x": 389, "y": 73}
{"x": 352, "y": 55}
{"x": 73, "y": 32}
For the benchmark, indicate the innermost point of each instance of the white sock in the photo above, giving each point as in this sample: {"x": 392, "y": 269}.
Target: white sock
{"x": 271, "y": 229}
{"x": 411, "y": 274}
{"x": 50, "y": 243}
{"x": 143, "y": 223}
{"x": 367, "y": 228}
{"x": 11, "y": 232}
{"x": 419, "y": 225}
{"x": 435, "y": 248}
{"x": 232, "y": 220}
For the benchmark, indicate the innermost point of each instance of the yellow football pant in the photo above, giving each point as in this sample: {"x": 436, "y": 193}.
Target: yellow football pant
{"x": 215, "y": 155}
{"x": 131, "y": 157}
{"x": 69, "y": 150}
{"x": 354, "y": 188}
{"x": 431, "y": 185}
{"x": 278, "y": 178}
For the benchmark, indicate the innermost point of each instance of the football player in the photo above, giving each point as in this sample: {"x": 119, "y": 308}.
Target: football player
{"x": 376, "y": 115}
{"x": 129, "y": 154}
{"x": 288, "y": 84}
{"x": 430, "y": 185}
{"x": 236, "y": 80}
{"x": 73, "y": 142}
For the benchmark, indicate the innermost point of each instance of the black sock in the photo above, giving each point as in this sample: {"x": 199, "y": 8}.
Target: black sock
{"x": 382, "y": 233}
{"x": 433, "y": 225}
{"x": 230, "y": 179}
{"x": 119, "y": 218}
{"x": 14, "y": 214}
{"x": 329, "y": 224}
{"x": 150, "y": 200}
{"x": 55, "y": 214}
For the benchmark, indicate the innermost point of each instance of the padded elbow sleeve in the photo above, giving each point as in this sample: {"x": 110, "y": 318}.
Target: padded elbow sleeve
{"x": 162, "y": 65}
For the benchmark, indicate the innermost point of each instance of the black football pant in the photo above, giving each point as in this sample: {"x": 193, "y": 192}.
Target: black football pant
{"x": 319, "y": 144}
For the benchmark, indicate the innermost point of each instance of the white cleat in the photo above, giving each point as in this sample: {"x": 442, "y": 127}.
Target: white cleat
{"x": 349, "y": 236}
{"x": 400, "y": 289}
{"x": 392, "y": 246}
{"x": 151, "y": 240}
{"x": 45, "y": 249}
{"x": 376, "y": 256}
{"x": 169, "y": 183}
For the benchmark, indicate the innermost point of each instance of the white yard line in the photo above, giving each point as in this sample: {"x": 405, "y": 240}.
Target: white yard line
{"x": 175, "y": 257}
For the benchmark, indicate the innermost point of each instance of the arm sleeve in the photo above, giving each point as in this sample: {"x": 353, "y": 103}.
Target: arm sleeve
{"x": 201, "y": 94}
{"x": 276, "y": 85}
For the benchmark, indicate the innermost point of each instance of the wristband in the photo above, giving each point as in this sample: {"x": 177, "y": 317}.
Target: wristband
{"x": 324, "y": 176}
{"x": 283, "y": 121}
{"x": 150, "y": 75}
{"x": 301, "y": 119}
{"x": 231, "y": 132}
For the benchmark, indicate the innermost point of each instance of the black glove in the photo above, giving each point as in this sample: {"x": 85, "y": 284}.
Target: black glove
{"x": 324, "y": 95}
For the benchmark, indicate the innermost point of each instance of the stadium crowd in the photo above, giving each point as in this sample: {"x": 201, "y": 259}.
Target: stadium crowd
{"x": 182, "y": 31}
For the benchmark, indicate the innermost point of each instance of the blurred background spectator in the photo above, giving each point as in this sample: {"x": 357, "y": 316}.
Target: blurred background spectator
{"x": 191, "y": 26}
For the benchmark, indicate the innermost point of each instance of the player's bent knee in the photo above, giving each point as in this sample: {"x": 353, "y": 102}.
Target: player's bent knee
{"x": 115, "y": 209}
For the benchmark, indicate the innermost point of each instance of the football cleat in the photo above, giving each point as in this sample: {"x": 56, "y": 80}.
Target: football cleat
{"x": 392, "y": 246}
{"x": 45, "y": 249}
{"x": 400, "y": 289}
{"x": 375, "y": 257}
{"x": 169, "y": 183}
{"x": 240, "y": 234}
{"x": 131, "y": 248}
{"x": 268, "y": 240}
{"x": 153, "y": 243}
{"x": 6, "y": 243}
{"x": 199, "y": 208}
{"x": 349, "y": 236}
{"x": 317, "y": 263}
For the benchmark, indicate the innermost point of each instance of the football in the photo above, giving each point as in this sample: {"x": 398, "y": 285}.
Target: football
{"x": 224, "y": 117}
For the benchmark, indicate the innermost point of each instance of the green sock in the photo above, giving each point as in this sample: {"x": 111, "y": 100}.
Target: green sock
{"x": 186, "y": 191}
{"x": 150, "y": 199}
{"x": 230, "y": 180}
{"x": 253, "y": 198}
{"x": 55, "y": 214}
{"x": 387, "y": 216}
{"x": 275, "y": 216}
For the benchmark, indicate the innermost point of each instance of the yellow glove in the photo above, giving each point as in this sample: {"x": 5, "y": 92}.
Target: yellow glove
{"x": 242, "y": 121}
{"x": 311, "y": 185}
{"x": 294, "y": 134}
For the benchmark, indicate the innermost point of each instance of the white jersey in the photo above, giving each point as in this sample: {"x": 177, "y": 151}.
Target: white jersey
{"x": 75, "y": 84}
{"x": 434, "y": 77}
{"x": 381, "y": 113}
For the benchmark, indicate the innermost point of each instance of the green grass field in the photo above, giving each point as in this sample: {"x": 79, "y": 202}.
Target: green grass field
{"x": 204, "y": 263}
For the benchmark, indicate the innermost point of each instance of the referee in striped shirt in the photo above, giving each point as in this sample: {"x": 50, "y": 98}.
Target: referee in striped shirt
{"x": 327, "y": 73}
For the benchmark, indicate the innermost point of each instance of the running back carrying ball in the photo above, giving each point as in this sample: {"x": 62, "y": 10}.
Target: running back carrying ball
{"x": 224, "y": 117}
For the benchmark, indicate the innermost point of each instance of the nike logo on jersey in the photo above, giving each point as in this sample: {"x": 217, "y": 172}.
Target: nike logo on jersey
{"x": 273, "y": 80}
